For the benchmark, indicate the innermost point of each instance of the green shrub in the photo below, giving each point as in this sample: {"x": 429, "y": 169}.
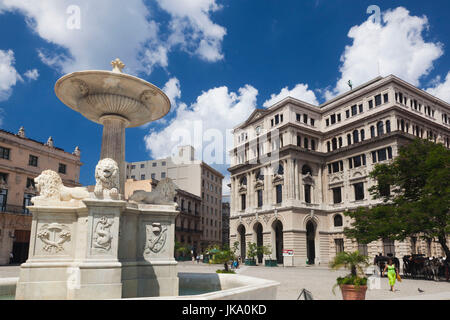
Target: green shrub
{"x": 225, "y": 271}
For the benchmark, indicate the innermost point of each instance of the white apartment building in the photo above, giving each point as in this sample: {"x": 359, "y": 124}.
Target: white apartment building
{"x": 193, "y": 176}
{"x": 296, "y": 168}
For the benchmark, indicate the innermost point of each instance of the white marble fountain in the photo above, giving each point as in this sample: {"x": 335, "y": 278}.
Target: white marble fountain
{"x": 97, "y": 245}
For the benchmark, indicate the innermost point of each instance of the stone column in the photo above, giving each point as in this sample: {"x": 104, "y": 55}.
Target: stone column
{"x": 113, "y": 143}
{"x": 291, "y": 179}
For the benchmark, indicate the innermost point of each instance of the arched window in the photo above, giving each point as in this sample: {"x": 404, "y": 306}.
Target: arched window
{"x": 372, "y": 132}
{"x": 338, "y": 220}
{"x": 305, "y": 143}
{"x": 355, "y": 136}
{"x": 334, "y": 143}
{"x": 306, "y": 169}
{"x": 349, "y": 139}
{"x": 388, "y": 126}
{"x": 313, "y": 145}
{"x": 340, "y": 142}
{"x": 380, "y": 128}
{"x": 363, "y": 134}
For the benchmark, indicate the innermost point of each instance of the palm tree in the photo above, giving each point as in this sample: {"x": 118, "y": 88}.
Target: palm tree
{"x": 353, "y": 261}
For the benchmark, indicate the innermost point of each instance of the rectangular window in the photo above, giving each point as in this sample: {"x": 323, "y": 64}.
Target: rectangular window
{"x": 33, "y": 161}
{"x": 133, "y": 177}
{"x": 153, "y": 175}
{"x": 335, "y": 167}
{"x": 386, "y": 98}
{"x": 142, "y": 176}
{"x": 338, "y": 117}
{"x": 382, "y": 155}
{"x": 279, "y": 195}
{"x": 360, "y": 108}
{"x": 243, "y": 202}
{"x": 271, "y": 121}
{"x": 359, "y": 191}
{"x": 333, "y": 119}
{"x": 305, "y": 118}
{"x": 4, "y": 153}
{"x": 362, "y": 249}
{"x": 357, "y": 161}
{"x": 163, "y": 163}
{"x": 62, "y": 168}
{"x": 337, "y": 196}
{"x": 142, "y": 166}
{"x": 307, "y": 193}
{"x": 327, "y": 121}
{"x": 27, "y": 202}
{"x": 388, "y": 247}
{"x": 260, "y": 198}
{"x": 298, "y": 117}
{"x": 347, "y": 114}
{"x": 163, "y": 175}
{"x": 370, "y": 104}
{"x": 30, "y": 183}
{"x": 354, "y": 110}
{"x": 281, "y": 120}
{"x": 154, "y": 164}
{"x": 133, "y": 167}
{"x": 312, "y": 122}
{"x": 3, "y": 199}
{"x": 339, "y": 245}
{"x": 277, "y": 119}
{"x": 377, "y": 100}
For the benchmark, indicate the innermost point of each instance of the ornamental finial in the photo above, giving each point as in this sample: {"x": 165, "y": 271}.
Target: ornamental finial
{"x": 117, "y": 65}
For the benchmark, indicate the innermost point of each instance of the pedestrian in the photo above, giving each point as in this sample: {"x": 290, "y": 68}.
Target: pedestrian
{"x": 198, "y": 259}
{"x": 392, "y": 273}
{"x": 11, "y": 258}
{"x": 201, "y": 257}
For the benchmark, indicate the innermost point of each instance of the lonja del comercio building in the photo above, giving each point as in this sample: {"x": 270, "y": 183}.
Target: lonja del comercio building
{"x": 296, "y": 168}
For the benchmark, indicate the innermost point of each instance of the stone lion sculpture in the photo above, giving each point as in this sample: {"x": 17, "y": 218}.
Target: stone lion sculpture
{"x": 164, "y": 193}
{"x": 107, "y": 179}
{"x": 51, "y": 189}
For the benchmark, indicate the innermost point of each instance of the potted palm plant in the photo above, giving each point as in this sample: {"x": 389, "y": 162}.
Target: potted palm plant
{"x": 354, "y": 285}
{"x": 268, "y": 262}
{"x": 252, "y": 252}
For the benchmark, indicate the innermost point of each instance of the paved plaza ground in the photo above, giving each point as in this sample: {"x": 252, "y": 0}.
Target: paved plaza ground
{"x": 318, "y": 280}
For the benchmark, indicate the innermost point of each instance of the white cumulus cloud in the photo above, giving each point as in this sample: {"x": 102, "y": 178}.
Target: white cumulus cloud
{"x": 90, "y": 34}
{"x": 395, "y": 46}
{"x": 8, "y": 74}
{"x": 32, "y": 74}
{"x": 441, "y": 89}
{"x": 204, "y": 122}
{"x": 193, "y": 29}
{"x": 300, "y": 91}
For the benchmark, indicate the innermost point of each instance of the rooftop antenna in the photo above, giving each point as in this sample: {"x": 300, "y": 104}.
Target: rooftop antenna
{"x": 350, "y": 84}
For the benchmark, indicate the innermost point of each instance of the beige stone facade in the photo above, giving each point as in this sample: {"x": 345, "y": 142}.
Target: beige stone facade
{"x": 21, "y": 160}
{"x": 195, "y": 177}
{"x": 325, "y": 154}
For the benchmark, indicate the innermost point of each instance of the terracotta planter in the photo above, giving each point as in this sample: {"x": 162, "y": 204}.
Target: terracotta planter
{"x": 350, "y": 292}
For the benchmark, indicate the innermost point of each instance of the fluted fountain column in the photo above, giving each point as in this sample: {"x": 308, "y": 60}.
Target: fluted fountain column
{"x": 113, "y": 143}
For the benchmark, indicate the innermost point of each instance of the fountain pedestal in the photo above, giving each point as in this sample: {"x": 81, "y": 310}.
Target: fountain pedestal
{"x": 100, "y": 250}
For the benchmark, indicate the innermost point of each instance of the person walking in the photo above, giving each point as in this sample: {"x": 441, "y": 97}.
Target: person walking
{"x": 11, "y": 258}
{"x": 198, "y": 259}
{"x": 392, "y": 272}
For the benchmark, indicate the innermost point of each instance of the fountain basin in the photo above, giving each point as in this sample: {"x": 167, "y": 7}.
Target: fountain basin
{"x": 196, "y": 286}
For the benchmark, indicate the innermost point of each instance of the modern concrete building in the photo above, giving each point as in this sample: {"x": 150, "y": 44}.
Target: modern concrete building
{"x": 193, "y": 176}
{"x": 296, "y": 168}
{"x": 21, "y": 160}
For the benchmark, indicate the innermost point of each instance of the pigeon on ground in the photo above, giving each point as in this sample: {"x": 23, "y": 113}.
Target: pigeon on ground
{"x": 420, "y": 290}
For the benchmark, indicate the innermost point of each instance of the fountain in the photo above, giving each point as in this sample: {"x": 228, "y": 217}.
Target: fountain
{"x": 95, "y": 245}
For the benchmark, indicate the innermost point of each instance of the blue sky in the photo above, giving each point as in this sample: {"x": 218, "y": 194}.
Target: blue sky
{"x": 216, "y": 60}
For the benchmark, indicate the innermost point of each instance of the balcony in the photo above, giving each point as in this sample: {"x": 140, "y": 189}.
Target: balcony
{"x": 12, "y": 209}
